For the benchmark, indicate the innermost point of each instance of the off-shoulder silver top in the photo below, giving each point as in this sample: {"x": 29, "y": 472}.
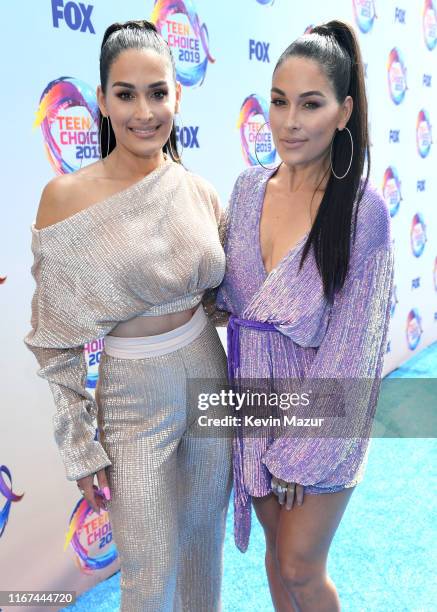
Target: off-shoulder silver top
{"x": 152, "y": 249}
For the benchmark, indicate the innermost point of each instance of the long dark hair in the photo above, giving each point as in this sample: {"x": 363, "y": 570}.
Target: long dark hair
{"x": 335, "y": 47}
{"x": 117, "y": 38}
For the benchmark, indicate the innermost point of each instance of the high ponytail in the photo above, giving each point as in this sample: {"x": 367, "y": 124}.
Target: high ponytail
{"x": 335, "y": 48}
{"x": 119, "y": 37}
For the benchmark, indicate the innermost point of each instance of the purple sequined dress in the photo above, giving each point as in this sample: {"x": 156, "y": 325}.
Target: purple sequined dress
{"x": 309, "y": 339}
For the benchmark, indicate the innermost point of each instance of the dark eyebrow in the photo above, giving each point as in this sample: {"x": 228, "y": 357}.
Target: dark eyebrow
{"x": 157, "y": 84}
{"x": 307, "y": 94}
{"x": 314, "y": 92}
{"x": 130, "y": 86}
{"x": 123, "y": 84}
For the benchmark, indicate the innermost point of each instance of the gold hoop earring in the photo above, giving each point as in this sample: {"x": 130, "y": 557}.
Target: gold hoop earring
{"x": 350, "y": 162}
{"x": 256, "y": 155}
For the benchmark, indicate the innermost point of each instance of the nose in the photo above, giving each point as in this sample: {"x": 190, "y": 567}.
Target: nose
{"x": 143, "y": 109}
{"x": 292, "y": 120}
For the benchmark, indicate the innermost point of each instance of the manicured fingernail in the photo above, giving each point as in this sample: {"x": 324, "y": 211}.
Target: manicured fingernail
{"x": 106, "y": 492}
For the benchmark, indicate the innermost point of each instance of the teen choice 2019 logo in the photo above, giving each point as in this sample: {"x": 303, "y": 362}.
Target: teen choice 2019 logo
{"x": 93, "y": 352}
{"x": 179, "y": 24}
{"x": 364, "y": 13}
{"x": 90, "y": 536}
{"x": 418, "y": 234}
{"x": 397, "y": 76}
{"x": 414, "y": 328}
{"x": 68, "y": 116}
{"x": 10, "y": 497}
{"x": 423, "y": 133}
{"x": 256, "y": 137}
{"x": 429, "y": 22}
{"x": 391, "y": 189}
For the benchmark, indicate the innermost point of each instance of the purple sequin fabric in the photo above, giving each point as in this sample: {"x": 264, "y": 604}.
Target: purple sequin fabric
{"x": 311, "y": 339}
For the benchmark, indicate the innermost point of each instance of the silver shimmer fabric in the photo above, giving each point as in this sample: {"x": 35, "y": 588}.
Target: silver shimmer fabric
{"x": 153, "y": 247}
{"x": 345, "y": 341}
{"x": 170, "y": 483}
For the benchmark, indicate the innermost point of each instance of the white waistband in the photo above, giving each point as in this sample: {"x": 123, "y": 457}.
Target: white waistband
{"x": 159, "y": 344}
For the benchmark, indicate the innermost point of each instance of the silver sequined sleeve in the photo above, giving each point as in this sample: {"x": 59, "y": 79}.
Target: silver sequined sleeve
{"x": 64, "y": 367}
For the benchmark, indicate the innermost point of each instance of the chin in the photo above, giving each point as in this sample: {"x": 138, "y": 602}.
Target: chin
{"x": 149, "y": 151}
{"x": 291, "y": 159}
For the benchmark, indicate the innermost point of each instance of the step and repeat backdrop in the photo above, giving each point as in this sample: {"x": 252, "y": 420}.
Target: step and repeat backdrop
{"x": 225, "y": 53}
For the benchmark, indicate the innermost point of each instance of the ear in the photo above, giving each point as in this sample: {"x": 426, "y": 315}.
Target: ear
{"x": 178, "y": 96}
{"x": 101, "y": 101}
{"x": 346, "y": 112}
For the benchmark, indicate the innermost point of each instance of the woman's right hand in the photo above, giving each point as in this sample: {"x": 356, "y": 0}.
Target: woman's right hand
{"x": 95, "y": 496}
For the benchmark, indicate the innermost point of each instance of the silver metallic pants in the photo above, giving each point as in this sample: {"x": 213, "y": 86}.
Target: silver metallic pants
{"x": 170, "y": 486}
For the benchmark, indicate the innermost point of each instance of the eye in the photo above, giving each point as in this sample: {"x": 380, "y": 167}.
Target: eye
{"x": 159, "y": 94}
{"x": 277, "y": 102}
{"x": 312, "y": 105}
{"x": 125, "y": 95}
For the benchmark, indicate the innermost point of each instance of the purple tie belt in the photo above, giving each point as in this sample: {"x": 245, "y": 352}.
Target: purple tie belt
{"x": 233, "y": 337}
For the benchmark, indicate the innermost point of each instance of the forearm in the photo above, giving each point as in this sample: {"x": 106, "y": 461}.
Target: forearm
{"x": 74, "y": 418}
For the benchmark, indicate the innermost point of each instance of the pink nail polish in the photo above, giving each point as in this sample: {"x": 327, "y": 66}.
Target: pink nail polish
{"x": 106, "y": 492}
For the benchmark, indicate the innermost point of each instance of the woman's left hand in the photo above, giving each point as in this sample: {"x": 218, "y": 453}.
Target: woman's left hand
{"x": 287, "y": 492}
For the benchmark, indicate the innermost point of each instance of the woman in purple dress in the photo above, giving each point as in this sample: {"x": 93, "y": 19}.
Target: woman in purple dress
{"x": 308, "y": 284}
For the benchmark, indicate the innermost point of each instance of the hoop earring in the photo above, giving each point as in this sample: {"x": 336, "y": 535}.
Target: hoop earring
{"x": 352, "y": 154}
{"x": 175, "y": 155}
{"x": 108, "y": 131}
{"x": 256, "y": 155}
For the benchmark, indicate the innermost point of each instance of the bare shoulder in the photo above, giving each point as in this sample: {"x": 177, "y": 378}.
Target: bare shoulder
{"x": 64, "y": 196}
{"x": 53, "y": 206}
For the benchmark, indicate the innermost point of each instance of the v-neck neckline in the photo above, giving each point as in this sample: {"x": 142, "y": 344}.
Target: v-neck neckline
{"x": 259, "y": 211}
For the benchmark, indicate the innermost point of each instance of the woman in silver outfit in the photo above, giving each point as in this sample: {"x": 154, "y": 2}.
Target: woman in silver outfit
{"x": 126, "y": 248}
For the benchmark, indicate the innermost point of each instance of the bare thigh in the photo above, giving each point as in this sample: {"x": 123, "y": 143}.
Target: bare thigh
{"x": 304, "y": 532}
{"x": 268, "y": 512}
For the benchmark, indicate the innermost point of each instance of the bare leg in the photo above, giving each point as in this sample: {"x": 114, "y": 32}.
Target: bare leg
{"x": 304, "y": 536}
{"x": 300, "y": 546}
{"x": 268, "y": 512}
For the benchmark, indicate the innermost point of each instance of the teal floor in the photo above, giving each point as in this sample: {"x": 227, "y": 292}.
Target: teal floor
{"x": 384, "y": 554}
